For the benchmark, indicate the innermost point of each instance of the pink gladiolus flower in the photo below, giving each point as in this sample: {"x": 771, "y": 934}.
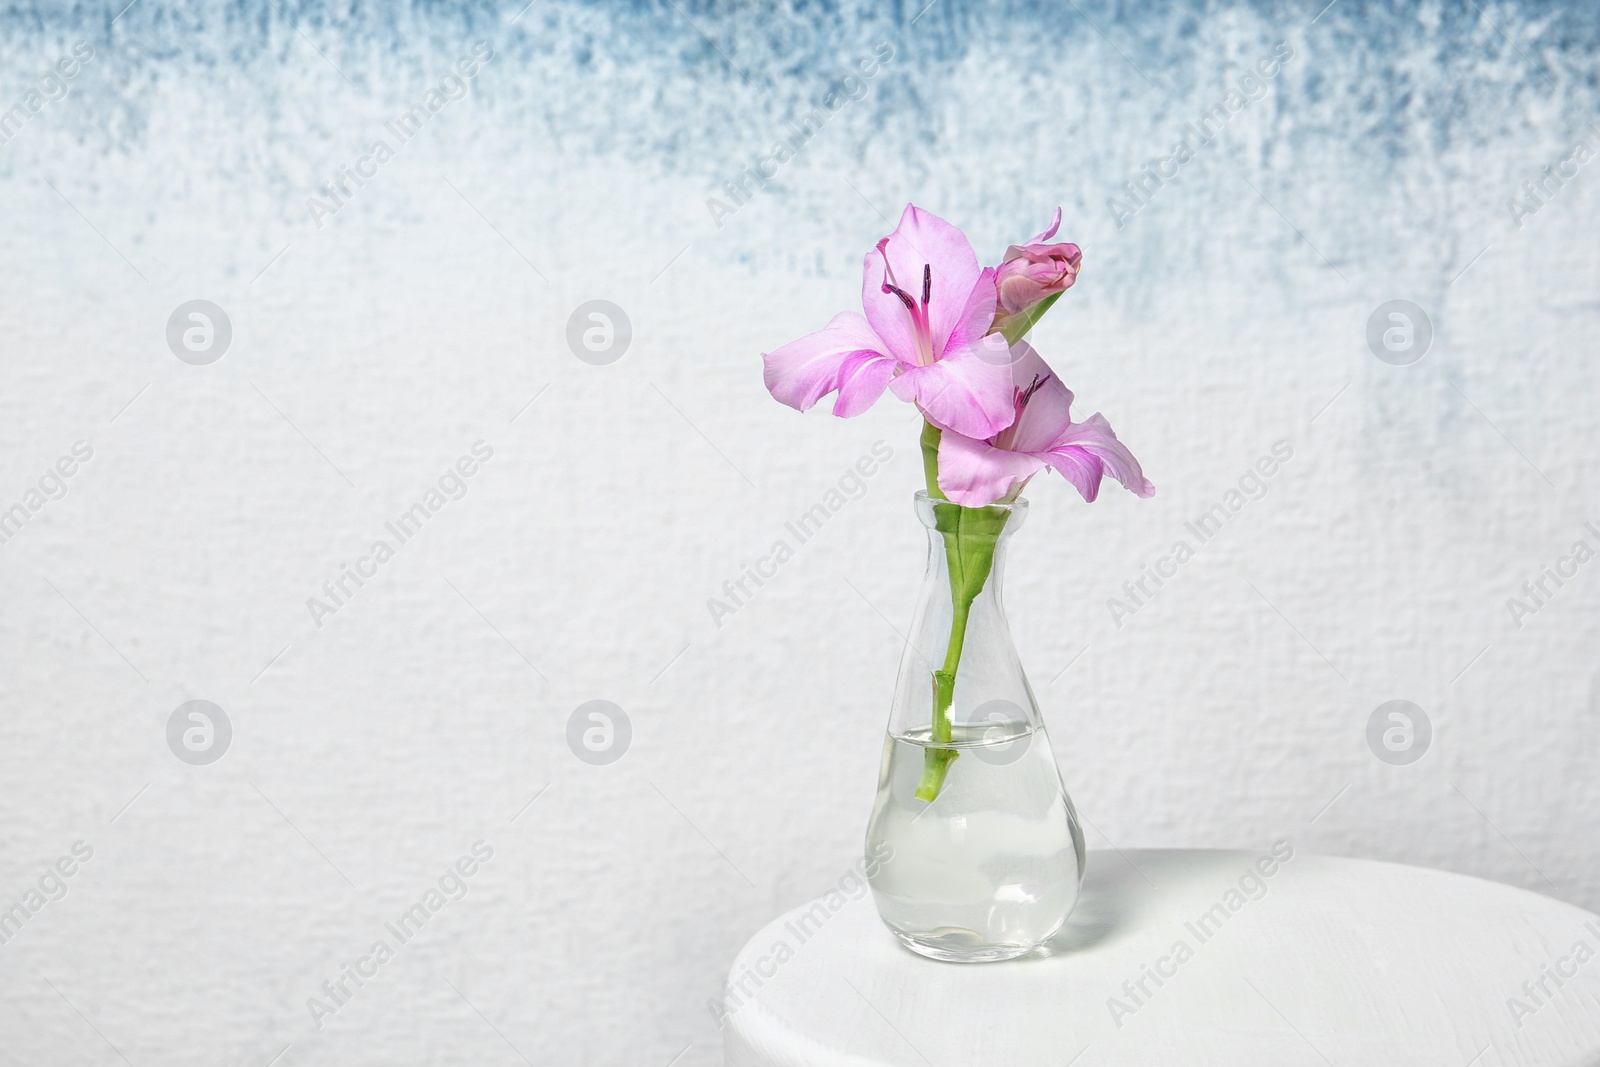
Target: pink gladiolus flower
{"x": 928, "y": 309}
{"x": 976, "y": 472}
{"x": 1033, "y": 272}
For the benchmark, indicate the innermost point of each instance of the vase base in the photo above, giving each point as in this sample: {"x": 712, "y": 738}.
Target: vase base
{"x": 959, "y": 946}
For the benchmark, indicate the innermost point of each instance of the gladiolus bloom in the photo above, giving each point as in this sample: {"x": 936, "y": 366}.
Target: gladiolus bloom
{"x": 977, "y": 472}
{"x": 928, "y": 309}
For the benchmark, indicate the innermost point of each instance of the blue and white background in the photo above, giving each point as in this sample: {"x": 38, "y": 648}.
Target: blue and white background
{"x": 420, "y": 320}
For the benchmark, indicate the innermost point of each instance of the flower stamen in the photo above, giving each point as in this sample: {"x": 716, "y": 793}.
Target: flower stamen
{"x": 1033, "y": 387}
{"x": 920, "y": 327}
{"x": 905, "y": 298}
{"x": 1007, "y": 437}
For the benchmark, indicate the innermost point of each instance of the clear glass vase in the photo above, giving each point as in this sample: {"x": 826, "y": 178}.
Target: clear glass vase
{"x": 978, "y": 854}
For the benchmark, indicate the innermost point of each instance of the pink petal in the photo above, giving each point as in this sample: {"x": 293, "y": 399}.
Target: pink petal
{"x": 1055, "y": 224}
{"x": 1093, "y": 440}
{"x": 920, "y": 239}
{"x": 975, "y": 473}
{"x": 1018, "y": 292}
{"x": 966, "y": 391}
{"x": 1078, "y": 467}
{"x": 804, "y": 371}
{"x": 862, "y": 381}
{"x": 977, "y": 316}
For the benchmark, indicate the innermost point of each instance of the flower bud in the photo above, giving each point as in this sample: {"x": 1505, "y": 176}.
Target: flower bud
{"x": 1033, "y": 272}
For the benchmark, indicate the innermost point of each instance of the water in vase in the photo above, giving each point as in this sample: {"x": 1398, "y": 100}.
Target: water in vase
{"x": 992, "y": 867}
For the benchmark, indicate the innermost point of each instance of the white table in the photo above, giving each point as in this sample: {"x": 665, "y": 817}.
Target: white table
{"x": 1352, "y": 963}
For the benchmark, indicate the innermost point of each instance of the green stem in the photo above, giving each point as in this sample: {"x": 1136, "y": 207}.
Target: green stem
{"x": 936, "y": 760}
{"x": 970, "y": 535}
{"x": 930, "y": 459}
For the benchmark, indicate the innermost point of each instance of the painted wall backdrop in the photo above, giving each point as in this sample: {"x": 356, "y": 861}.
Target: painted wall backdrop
{"x": 391, "y": 349}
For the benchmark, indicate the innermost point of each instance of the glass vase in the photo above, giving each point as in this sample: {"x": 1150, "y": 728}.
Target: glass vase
{"x": 978, "y": 849}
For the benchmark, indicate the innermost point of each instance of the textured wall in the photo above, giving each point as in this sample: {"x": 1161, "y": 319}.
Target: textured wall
{"x": 375, "y": 745}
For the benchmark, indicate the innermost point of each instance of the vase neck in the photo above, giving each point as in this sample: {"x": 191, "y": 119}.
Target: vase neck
{"x": 967, "y": 548}
{"x": 960, "y": 667}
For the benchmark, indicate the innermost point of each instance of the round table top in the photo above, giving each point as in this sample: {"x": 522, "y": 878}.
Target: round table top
{"x": 1193, "y": 957}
